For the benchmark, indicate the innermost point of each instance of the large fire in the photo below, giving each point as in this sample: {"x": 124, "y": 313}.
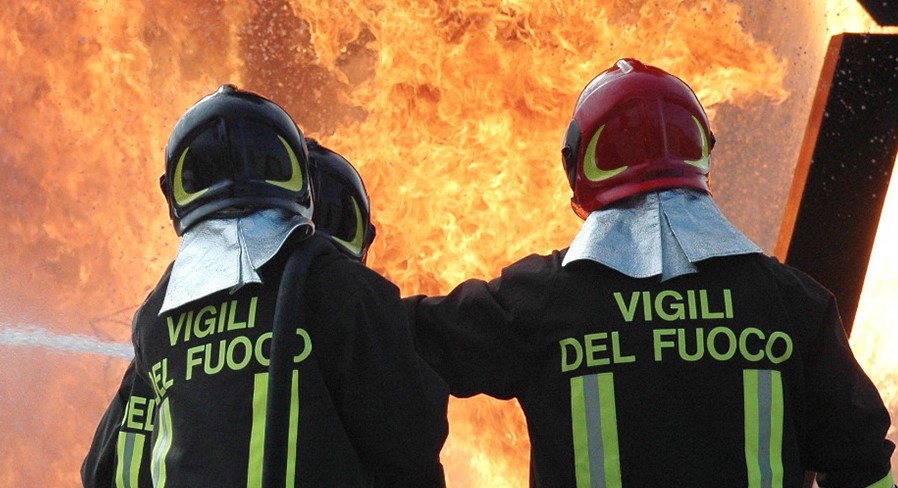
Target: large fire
{"x": 453, "y": 111}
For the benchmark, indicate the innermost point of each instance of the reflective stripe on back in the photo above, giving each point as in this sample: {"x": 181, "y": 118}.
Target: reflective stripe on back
{"x": 257, "y": 435}
{"x": 594, "y": 429}
{"x": 162, "y": 445}
{"x": 763, "y": 410}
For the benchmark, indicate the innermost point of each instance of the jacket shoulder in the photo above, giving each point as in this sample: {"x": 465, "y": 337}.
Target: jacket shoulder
{"x": 793, "y": 281}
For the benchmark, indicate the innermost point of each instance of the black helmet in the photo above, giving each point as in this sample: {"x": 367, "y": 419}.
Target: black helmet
{"x": 342, "y": 207}
{"x": 235, "y": 149}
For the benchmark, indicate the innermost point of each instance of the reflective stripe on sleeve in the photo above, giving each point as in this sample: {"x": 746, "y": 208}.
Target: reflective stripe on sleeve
{"x": 162, "y": 445}
{"x": 129, "y": 455}
{"x": 594, "y": 429}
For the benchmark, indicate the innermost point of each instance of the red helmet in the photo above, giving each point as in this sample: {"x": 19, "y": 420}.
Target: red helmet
{"x": 636, "y": 128}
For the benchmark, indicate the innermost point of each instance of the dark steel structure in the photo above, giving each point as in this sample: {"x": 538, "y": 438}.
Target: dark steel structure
{"x": 844, "y": 166}
{"x": 884, "y": 12}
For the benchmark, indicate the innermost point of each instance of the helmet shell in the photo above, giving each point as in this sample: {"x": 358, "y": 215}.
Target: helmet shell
{"x": 235, "y": 149}
{"x": 635, "y": 128}
{"x": 342, "y": 205}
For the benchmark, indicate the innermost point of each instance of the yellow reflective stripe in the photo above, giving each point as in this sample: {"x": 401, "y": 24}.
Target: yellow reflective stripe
{"x": 594, "y": 429}
{"x": 295, "y": 182}
{"x": 578, "y": 427}
{"x": 119, "y": 459}
{"x": 129, "y": 454}
{"x": 355, "y": 246}
{"x": 294, "y": 430}
{"x": 763, "y": 421}
{"x": 591, "y": 170}
{"x": 182, "y": 196}
{"x": 704, "y": 162}
{"x": 162, "y": 445}
{"x": 750, "y": 404}
{"x": 136, "y": 459}
{"x": 257, "y": 434}
{"x": 776, "y": 428}
{"x": 887, "y": 482}
{"x": 609, "y": 431}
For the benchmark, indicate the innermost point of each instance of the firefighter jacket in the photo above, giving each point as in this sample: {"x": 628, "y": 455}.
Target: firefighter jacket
{"x": 121, "y": 449}
{"x": 352, "y": 404}
{"x": 739, "y": 375}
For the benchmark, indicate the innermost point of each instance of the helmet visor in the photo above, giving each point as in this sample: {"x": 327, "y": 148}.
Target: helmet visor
{"x": 202, "y": 163}
{"x": 270, "y": 157}
{"x": 632, "y": 135}
{"x": 627, "y": 138}
{"x": 207, "y": 161}
{"x": 683, "y": 133}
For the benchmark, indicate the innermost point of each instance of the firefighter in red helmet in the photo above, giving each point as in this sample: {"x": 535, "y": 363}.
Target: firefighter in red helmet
{"x": 268, "y": 355}
{"x": 662, "y": 347}
{"x": 635, "y": 129}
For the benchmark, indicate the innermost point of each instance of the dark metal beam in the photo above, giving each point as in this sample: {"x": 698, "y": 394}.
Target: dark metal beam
{"x": 884, "y": 12}
{"x": 844, "y": 167}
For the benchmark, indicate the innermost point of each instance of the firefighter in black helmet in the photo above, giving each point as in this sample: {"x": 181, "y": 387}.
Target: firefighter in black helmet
{"x": 662, "y": 348}
{"x": 265, "y": 356}
{"x": 342, "y": 206}
{"x": 235, "y": 152}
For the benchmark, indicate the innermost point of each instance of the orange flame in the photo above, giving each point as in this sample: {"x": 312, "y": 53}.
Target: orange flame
{"x": 453, "y": 111}
{"x": 463, "y": 132}
{"x": 875, "y": 329}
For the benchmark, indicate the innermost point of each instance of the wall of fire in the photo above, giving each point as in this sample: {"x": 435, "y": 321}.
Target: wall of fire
{"x": 471, "y": 95}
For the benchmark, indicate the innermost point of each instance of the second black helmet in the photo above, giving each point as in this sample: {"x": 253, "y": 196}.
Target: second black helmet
{"x": 342, "y": 206}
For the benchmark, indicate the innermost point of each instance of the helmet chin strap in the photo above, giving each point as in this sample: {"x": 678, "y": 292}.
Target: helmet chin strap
{"x": 226, "y": 252}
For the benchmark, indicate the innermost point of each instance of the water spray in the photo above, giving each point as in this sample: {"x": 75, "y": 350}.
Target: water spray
{"x": 33, "y": 336}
